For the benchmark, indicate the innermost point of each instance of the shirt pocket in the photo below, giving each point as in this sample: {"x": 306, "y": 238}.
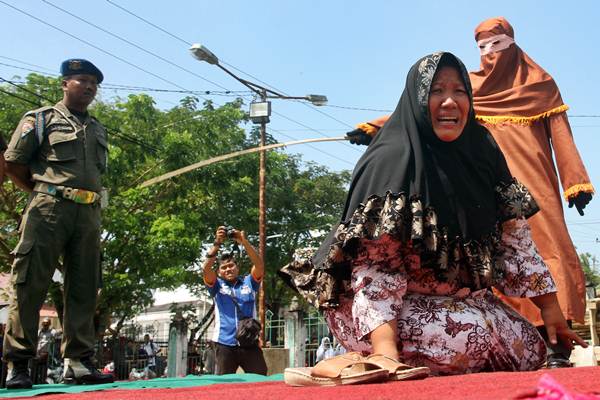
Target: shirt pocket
{"x": 62, "y": 146}
{"x": 102, "y": 152}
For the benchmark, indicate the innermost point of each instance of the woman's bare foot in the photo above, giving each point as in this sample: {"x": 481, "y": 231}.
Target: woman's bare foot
{"x": 384, "y": 340}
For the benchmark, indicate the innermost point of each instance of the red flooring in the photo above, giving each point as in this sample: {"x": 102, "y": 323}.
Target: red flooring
{"x": 498, "y": 385}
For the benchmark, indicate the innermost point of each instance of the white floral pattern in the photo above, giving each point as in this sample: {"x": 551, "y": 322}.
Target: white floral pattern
{"x": 525, "y": 273}
{"x": 449, "y": 329}
{"x": 427, "y": 68}
{"x": 471, "y": 264}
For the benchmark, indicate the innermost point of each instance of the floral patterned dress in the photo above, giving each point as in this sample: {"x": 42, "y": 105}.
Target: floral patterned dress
{"x": 449, "y": 329}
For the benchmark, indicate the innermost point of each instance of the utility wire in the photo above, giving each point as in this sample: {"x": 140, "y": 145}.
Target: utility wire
{"x": 241, "y": 92}
{"x": 114, "y": 131}
{"x": 148, "y": 22}
{"x": 279, "y": 131}
{"x": 91, "y": 45}
{"x": 27, "y": 69}
{"x": 171, "y": 124}
{"x": 200, "y": 93}
{"x": 113, "y": 55}
{"x": 27, "y": 90}
{"x": 116, "y": 86}
{"x": 390, "y": 111}
{"x": 26, "y": 63}
{"x": 109, "y": 129}
{"x": 188, "y": 43}
{"x": 150, "y": 89}
{"x": 134, "y": 45}
{"x": 21, "y": 98}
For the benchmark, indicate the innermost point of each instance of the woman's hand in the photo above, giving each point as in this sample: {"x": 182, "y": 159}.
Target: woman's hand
{"x": 557, "y": 329}
{"x": 555, "y": 323}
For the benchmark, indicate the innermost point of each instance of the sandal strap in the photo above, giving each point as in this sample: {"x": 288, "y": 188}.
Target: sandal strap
{"x": 333, "y": 367}
{"x": 388, "y": 363}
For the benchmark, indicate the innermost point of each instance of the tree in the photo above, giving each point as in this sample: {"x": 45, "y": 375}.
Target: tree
{"x": 588, "y": 264}
{"x": 36, "y": 92}
{"x": 152, "y": 238}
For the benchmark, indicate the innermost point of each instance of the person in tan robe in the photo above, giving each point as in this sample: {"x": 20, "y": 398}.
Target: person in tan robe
{"x": 521, "y": 106}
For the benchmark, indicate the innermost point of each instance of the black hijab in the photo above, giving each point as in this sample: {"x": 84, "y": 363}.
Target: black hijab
{"x": 456, "y": 178}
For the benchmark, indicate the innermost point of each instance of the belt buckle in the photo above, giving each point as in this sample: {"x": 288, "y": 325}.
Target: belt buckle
{"x": 67, "y": 193}
{"x": 83, "y": 196}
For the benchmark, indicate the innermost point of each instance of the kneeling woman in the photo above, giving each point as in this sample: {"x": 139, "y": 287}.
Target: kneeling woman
{"x": 433, "y": 221}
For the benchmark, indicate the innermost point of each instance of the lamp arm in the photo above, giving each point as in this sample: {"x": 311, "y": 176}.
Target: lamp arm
{"x": 258, "y": 89}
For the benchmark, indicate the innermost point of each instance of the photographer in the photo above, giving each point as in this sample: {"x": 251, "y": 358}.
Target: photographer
{"x": 235, "y": 299}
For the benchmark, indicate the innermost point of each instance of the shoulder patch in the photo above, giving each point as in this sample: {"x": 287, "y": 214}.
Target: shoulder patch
{"x": 26, "y": 128}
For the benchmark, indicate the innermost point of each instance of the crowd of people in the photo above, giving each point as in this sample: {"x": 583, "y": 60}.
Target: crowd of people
{"x": 451, "y": 255}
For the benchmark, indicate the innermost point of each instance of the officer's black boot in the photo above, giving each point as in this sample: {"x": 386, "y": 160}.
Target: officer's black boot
{"x": 83, "y": 372}
{"x": 19, "y": 373}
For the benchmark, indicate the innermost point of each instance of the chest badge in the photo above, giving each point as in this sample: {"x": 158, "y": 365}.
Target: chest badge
{"x": 245, "y": 290}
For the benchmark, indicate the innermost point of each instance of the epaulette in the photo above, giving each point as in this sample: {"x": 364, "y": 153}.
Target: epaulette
{"x": 40, "y": 121}
{"x": 38, "y": 110}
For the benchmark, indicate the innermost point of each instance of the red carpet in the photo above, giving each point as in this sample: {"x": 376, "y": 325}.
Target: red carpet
{"x": 499, "y": 385}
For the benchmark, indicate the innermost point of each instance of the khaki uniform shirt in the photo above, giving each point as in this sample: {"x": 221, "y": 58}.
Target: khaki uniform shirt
{"x": 65, "y": 152}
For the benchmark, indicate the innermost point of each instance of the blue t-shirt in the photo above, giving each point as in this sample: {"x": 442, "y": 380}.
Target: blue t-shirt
{"x": 243, "y": 290}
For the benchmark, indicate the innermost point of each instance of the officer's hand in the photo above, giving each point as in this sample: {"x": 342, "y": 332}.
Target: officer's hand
{"x": 580, "y": 201}
{"x": 358, "y": 136}
{"x": 221, "y": 235}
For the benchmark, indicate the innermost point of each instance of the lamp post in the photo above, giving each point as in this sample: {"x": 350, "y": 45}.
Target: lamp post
{"x": 260, "y": 111}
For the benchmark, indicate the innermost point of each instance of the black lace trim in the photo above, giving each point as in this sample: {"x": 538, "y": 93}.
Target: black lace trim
{"x": 469, "y": 263}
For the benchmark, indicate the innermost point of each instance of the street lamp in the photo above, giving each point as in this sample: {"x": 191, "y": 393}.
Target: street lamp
{"x": 260, "y": 111}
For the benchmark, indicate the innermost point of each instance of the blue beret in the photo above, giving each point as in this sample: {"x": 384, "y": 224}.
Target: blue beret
{"x": 77, "y": 66}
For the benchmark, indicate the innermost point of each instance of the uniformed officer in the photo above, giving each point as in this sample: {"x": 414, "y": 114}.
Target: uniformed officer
{"x": 58, "y": 155}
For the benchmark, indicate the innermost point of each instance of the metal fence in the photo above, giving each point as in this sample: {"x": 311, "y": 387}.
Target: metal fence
{"x": 314, "y": 330}
{"x": 274, "y": 331}
{"x": 124, "y": 352}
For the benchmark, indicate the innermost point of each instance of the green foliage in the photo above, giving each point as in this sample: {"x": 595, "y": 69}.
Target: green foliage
{"x": 152, "y": 238}
{"x": 588, "y": 263}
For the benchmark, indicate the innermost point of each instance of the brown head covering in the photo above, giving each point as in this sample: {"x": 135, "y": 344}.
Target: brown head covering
{"x": 510, "y": 86}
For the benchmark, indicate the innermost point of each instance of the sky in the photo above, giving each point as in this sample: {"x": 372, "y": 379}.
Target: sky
{"x": 357, "y": 53}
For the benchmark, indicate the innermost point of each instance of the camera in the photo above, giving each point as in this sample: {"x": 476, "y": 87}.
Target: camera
{"x": 229, "y": 231}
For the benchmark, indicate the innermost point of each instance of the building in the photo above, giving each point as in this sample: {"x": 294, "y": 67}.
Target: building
{"x": 155, "y": 320}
